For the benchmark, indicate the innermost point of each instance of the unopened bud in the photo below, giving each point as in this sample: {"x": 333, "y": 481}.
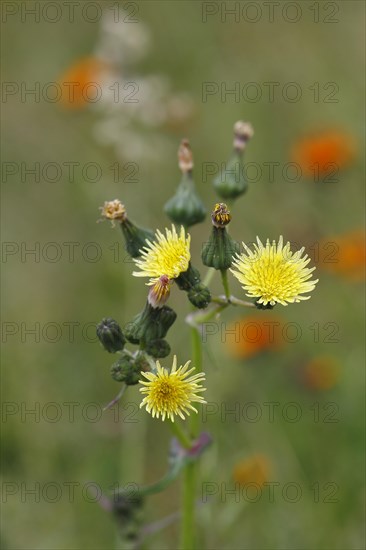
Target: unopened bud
{"x": 125, "y": 370}
{"x": 159, "y": 292}
{"x": 219, "y": 250}
{"x": 110, "y": 335}
{"x": 135, "y": 237}
{"x": 158, "y": 348}
{"x": 190, "y": 281}
{"x": 185, "y": 207}
{"x": 199, "y": 296}
{"x": 151, "y": 324}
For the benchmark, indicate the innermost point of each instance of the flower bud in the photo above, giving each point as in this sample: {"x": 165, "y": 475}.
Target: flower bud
{"x": 125, "y": 370}
{"x": 110, "y": 335}
{"x": 159, "y": 291}
{"x": 150, "y": 324}
{"x": 231, "y": 183}
{"x": 190, "y": 281}
{"x": 158, "y": 348}
{"x": 128, "y": 509}
{"x": 199, "y": 296}
{"x": 135, "y": 237}
{"x": 218, "y": 252}
{"x": 185, "y": 207}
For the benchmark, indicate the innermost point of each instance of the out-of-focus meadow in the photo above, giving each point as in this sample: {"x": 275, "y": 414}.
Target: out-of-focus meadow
{"x": 298, "y": 400}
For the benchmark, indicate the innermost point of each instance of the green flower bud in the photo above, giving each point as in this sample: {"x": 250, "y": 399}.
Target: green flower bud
{"x": 185, "y": 208}
{"x": 135, "y": 237}
{"x": 125, "y": 370}
{"x": 189, "y": 278}
{"x": 231, "y": 183}
{"x": 158, "y": 348}
{"x": 218, "y": 252}
{"x": 128, "y": 510}
{"x": 110, "y": 335}
{"x": 199, "y": 296}
{"x": 142, "y": 361}
{"x": 150, "y": 324}
{"x": 190, "y": 281}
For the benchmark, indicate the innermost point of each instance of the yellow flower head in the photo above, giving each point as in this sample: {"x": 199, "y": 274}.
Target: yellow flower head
{"x": 272, "y": 273}
{"x": 169, "y": 255}
{"x": 171, "y": 393}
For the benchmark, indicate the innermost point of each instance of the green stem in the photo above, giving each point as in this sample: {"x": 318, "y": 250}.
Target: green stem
{"x": 180, "y": 434}
{"x": 222, "y": 300}
{"x": 189, "y": 497}
{"x": 197, "y": 363}
{"x": 209, "y": 276}
{"x": 225, "y": 284}
{"x": 190, "y": 470}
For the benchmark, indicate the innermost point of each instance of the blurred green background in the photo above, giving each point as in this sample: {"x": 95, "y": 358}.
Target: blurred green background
{"x": 129, "y": 446}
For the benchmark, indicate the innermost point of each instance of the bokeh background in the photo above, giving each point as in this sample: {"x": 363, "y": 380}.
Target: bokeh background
{"x": 169, "y": 53}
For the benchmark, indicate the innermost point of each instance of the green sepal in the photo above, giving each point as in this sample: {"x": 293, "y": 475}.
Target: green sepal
{"x": 188, "y": 279}
{"x": 186, "y": 207}
{"x": 199, "y": 296}
{"x": 135, "y": 237}
{"x": 230, "y": 183}
{"x": 218, "y": 252}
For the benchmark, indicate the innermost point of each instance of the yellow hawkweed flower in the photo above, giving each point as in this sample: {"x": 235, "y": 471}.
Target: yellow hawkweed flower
{"x": 171, "y": 393}
{"x": 272, "y": 273}
{"x": 169, "y": 255}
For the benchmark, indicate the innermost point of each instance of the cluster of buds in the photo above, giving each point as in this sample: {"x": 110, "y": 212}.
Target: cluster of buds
{"x": 151, "y": 251}
{"x": 149, "y": 328}
{"x": 128, "y": 367}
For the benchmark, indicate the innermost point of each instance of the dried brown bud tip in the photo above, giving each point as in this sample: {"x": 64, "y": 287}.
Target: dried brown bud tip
{"x": 185, "y": 156}
{"x": 243, "y": 131}
{"x": 114, "y": 211}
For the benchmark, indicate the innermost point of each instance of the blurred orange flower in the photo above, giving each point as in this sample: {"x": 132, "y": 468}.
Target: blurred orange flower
{"x": 321, "y": 373}
{"x": 324, "y": 153}
{"x": 252, "y": 335}
{"x": 344, "y": 255}
{"x": 255, "y": 469}
{"x": 80, "y": 83}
